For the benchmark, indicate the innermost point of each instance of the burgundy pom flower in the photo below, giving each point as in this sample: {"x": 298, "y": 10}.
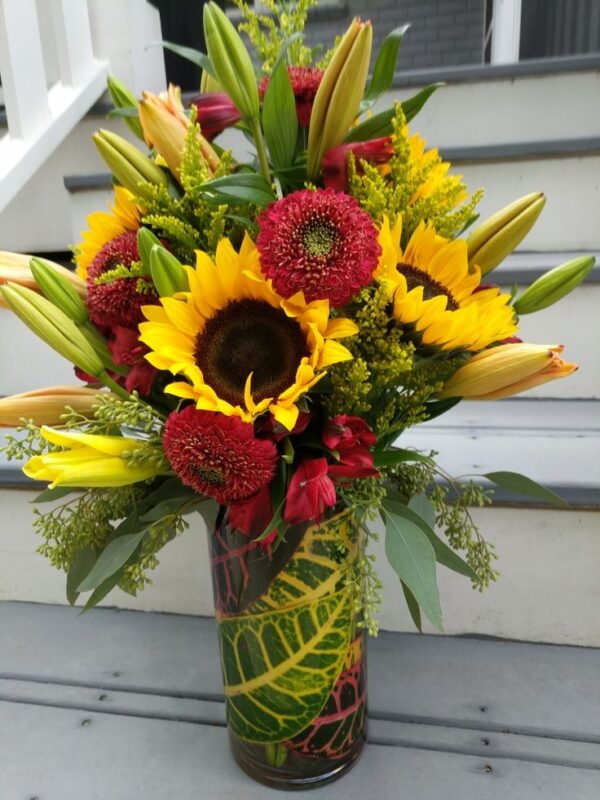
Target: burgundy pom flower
{"x": 218, "y": 455}
{"x": 321, "y": 243}
{"x": 118, "y": 300}
{"x": 335, "y": 161}
{"x": 310, "y": 492}
{"x": 215, "y": 111}
{"x": 126, "y": 349}
{"x": 305, "y": 83}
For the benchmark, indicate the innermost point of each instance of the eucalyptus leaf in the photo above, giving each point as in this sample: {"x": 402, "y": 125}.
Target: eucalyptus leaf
{"x": 521, "y": 484}
{"x": 49, "y": 495}
{"x": 385, "y": 66}
{"x": 105, "y": 588}
{"x": 421, "y": 505}
{"x": 412, "y": 557}
{"x": 413, "y": 607}
{"x": 208, "y": 510}
{"x": 444, "y": 554}
{"x": 82, "y": 564}
{"x": 388, "y": 458}
{"x": 115, "y": 554}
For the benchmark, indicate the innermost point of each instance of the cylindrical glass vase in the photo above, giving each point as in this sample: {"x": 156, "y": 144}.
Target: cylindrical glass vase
{"x": 292, "y": 652}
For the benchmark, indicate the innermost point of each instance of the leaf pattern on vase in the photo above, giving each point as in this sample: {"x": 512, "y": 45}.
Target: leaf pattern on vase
{"x": 341, "y": 722}
{"x": 279, "y": 666}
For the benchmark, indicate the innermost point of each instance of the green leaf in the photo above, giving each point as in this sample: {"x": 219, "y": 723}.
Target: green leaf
{"x": 412, "y": 557}
{"x": 208, "y": 510}
{"x": 413, "y": 607}
{"x": 115, "y": 554}
{"x": 421, "y": 505}
{"x": 100, "y": 593}
{"x": 49, "y": 495}
{"x": 436, "y": 408}
{"x": 190, "y": 54}
{"x": 444, "y": 554}
{"x": 385, "y": 66}
{"x": 238, "y": 189}
{"x": 521, "y": 484}
{"x": 167, "y": 508}
{"x": 280, "y": 122}
{"x": 146, "y": 240}
{"x": 123, "y": 112}
{"x": 388, "y": 458}
{"x": 278, "y": 490}
{"x": 381, "y": 124}
{"x": 82, "y": 563}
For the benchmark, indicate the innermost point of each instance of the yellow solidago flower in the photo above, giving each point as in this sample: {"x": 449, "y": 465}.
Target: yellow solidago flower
{"x": 90, "y": 460}
{"x": 434, "y": 293}
{"x": 243, "y": 348}
{"x": 427, "y": 166}
{"x": 103, "y": 227}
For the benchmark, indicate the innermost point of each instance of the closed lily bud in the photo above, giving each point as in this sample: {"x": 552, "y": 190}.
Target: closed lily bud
{"x": 209, "y": 84}
{"x": 59, "y": 291}
{"x": 122, "y": 97}
{"x": 215, "y": 111}
{"x": 507, "y": 370}
{"x": 47, "y": 406}
{"x": 335, "y": 162}
{"x": 15, "y": 268}
{"x": 338, "y": 98}
{"x": 496, "y": 237}
{"x": 166, "y": 127}
{"x": 130, "y": 167}
{"x": 90, "y": 460}
{"x": 231, "y": 61}
{"x": 168, "y": 275}
{"x": 555, "y": 284}
{"x": 53, "y": 326}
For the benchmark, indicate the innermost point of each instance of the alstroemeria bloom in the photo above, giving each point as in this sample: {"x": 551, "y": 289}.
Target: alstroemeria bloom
{"x": 252, "y": 515}
{"x": 92, "y": 461}
{"x": 215, "y": 111}
{"x": 335, "y": 161}
{"x": 507, "y": 370}
{"x": 352, "y": 440}
{"x": 310, "y": 492}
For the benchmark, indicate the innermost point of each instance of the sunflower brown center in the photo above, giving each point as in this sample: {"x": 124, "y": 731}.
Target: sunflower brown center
{"x": 319, "y": 237}
{"x": 250, "y": 336}
{"x": 431, "y": 288}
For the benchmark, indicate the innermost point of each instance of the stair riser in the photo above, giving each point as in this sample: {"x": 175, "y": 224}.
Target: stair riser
{"x": 547, "y": 591}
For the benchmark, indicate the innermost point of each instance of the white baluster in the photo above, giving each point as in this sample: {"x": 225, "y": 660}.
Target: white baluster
{"x": 506, "y": 31}
{"x": 73, "y": 41}
{"x": 22, "y": 68}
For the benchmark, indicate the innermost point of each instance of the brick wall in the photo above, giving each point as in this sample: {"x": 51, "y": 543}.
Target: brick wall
{"x": 443, "y": 32}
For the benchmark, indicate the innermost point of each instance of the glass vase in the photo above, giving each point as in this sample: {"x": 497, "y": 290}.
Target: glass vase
{"x": 292, "y": 651}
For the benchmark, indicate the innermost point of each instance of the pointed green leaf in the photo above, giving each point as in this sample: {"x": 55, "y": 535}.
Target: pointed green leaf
{"x": 412, "y": 557}
{"x": 521, "y": 484}
{"x": 82, "y": 564}
{"x": 413, "y": 607}
{"x": 190, "y": 54}
{"x": 49, "y": 495}
{"x": 388, "y": 458}
{"x": 381, "y": 124}
{"x": 238, "y": 189}
{"x": 421, "y": 505}
{"x": 280, "y": 122}
{"x": 116, "y": 553}
{"x": 385, "y": 67}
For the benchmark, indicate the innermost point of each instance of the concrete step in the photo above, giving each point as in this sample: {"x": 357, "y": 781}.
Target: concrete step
{"x": 547, "y": 557}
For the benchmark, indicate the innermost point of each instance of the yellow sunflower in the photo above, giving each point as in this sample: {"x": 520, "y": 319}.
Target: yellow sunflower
{"x": 243, "y": 348}
{"x": 434, "y": 293}
{"x": 103, "y": 227}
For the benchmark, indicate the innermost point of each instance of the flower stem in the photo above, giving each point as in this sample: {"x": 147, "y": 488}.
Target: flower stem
{"x": 113, "y": 386}
{"x": 259, "y": 141}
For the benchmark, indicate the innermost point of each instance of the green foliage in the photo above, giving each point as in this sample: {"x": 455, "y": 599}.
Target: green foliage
{"x": 415, "y": 185}
{"x": 269, "y": 31}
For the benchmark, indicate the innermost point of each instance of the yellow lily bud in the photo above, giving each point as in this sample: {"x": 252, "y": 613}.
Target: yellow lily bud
{"x": 338, "y": 98}
{"x": 52, "y": 326}
{"x": 166, "y": 125}
{"x": 556, "y": 283}
{"x": 46, "y": 406}
{"x": 507, "y": 370}
{"x": 123, "y": 98}
{"x": 92, "y": 461}
{"x": 129, "y": 166}
{"x": 15, "y": 268}
{"x": 231, "y": 61}
{"x": 490, "y": 243}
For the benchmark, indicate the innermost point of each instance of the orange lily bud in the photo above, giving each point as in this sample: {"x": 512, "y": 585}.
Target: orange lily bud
{"x": 15, "y": 268}
{"x": 507, "y": 370}
{"x": 46, "y": 406}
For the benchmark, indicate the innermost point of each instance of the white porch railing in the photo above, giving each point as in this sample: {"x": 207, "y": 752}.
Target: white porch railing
{"x": 40, "y": 113}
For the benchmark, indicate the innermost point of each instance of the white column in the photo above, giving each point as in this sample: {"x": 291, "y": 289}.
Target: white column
{"x": 73, "y": 41}
{"x": 506, "y": 31}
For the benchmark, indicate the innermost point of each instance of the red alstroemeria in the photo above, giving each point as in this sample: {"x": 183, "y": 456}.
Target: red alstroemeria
{"x": 354, "y": 463}
{"x": 215, "y": 111}
{"x": 271, "y": 429}
{"x": 310, "y": 492}
{"x": 252, "y": 515}
{"x": 335, "y": 161}
{"x": 126, "y": 349}
{"x": 344, "y": 432}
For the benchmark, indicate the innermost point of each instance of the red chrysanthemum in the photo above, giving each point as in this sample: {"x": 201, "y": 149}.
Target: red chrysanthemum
{"x": 321, "y": 243}
{"x": 218, "y": 455}
{"x": 305, "y": 83}
{"x": 118, "y": 300}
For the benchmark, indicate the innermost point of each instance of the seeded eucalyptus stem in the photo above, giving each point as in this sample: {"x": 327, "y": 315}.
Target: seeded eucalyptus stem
{"x": 259, "y": 141}
{"x": 113, "y": 386}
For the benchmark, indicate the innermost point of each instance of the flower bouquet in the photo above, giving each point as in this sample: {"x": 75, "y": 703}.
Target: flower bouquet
{"x": 253, "y": 338}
